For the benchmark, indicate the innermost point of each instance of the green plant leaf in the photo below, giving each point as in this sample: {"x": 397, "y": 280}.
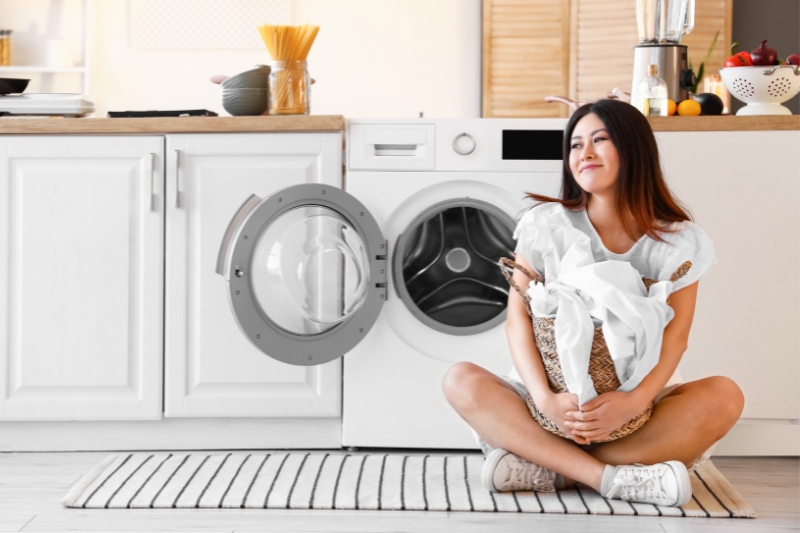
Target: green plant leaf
{"x": 711, "y": 50}
{"x": 702, "y": 70}
{"x": 698, "y": 77}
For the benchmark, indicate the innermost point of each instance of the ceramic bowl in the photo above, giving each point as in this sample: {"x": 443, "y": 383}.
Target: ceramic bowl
{"x": 13, "y": 85}
{"x": 245, "y": 102}
{"x": 257, "y": 78}
{"x": 762, "y": 88}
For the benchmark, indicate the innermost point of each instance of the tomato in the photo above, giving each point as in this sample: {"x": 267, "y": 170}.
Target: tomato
{"x": 742, "y": 59}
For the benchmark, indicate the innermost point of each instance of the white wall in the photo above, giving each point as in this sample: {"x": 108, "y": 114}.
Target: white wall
{"x": 371, "y": 58}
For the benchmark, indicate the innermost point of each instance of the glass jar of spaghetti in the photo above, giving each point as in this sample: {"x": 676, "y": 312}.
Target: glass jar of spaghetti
{"x": 289, "y": 88}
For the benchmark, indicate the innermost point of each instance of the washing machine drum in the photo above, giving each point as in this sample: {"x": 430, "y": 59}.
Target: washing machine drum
{"x": 306, "y": 269}
{"x": 445, "y": 266}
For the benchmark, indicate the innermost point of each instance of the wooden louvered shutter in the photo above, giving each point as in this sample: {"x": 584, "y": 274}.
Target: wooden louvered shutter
{"x": 525, "y": 57}
{"x": 601, "y": 56}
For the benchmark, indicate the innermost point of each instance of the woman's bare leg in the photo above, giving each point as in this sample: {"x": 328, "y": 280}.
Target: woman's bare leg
{"x": 494, "y": 409}
{"x": 685, "y": 423}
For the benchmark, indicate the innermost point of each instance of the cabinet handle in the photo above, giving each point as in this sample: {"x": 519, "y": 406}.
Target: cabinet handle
{"x": 177, "y": 178}
{"x": 152, "y": 179}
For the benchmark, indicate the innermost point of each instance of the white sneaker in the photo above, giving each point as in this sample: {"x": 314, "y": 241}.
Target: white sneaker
{"x": 665, "y": 484}
{"x": 505, "y": 472}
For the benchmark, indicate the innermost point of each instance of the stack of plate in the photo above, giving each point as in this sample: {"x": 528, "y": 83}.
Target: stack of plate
{"x": 55, "y": 104}
{"x": 58, "y": 104}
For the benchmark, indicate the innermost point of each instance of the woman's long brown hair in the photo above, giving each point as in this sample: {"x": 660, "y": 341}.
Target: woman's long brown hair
{"x": 644, "y": 201}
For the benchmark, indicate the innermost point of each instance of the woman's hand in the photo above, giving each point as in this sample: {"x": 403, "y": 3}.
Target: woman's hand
{"x": 600, "y": 417}
{"x": 556, "y": 407}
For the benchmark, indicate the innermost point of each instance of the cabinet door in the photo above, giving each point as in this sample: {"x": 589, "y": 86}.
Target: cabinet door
{"x": 526, "y": 45}
{"x": 81, "y": 270}
{"x": 745, "y": 324}
{"x": 211, "y": 367}
{"x": 604, "y": 34}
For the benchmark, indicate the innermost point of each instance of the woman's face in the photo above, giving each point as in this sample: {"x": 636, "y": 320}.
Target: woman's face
{"x": 593, "y": 158}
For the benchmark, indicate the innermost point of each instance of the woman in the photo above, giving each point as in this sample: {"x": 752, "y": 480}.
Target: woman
{"x": 613, "y": 191}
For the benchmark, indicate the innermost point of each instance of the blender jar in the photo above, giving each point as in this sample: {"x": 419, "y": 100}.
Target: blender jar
{"x": 680, "y": 20}
{"x": 664, "y": 21}
{"x": 647, "y": 20}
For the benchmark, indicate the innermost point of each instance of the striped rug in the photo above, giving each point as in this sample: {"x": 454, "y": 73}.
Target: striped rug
{"x": 339, "y": 480}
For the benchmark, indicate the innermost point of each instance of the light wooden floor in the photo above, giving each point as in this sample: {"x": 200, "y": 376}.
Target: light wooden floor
{"x": 31, "y": 485}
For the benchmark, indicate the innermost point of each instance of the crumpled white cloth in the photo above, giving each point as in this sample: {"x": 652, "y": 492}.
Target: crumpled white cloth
{"x": 579, "y": 292}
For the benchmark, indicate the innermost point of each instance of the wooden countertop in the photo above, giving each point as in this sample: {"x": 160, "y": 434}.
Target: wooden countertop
{"x": 726, "y": 123}
{"x": 23, "y": 125}
{"x": 18, "y": 125}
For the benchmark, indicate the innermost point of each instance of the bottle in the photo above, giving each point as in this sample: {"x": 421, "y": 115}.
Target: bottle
{"x": 651, "y": 94}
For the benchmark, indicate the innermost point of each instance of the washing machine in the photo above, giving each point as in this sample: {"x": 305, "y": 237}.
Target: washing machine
{"x": 397, "y": 272}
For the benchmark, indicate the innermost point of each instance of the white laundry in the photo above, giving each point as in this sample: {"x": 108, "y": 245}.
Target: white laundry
{"x": 579, "y": 293}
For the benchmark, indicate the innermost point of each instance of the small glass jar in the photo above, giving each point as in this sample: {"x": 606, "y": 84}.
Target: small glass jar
{"x": 289, "y": 88}
{"x": 5, "y": 48}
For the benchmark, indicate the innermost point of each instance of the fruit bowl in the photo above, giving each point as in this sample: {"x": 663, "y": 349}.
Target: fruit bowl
{"x": 762, "y": 88}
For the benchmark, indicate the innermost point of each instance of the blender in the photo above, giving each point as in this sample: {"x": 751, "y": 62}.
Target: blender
{"x": 661, "y": 24}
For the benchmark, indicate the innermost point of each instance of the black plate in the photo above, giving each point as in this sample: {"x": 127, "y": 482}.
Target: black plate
{"x": 180, "y": 113}
{"x": 12, "y": 85}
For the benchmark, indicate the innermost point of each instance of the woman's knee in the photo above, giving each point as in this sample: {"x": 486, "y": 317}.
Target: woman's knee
{"x": 716, "y": 402}
{"x": 728, "y": 395}
{"x": 461, "y": 382}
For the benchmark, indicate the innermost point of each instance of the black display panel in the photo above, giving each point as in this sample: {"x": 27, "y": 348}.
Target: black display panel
{"x": 532, "y": 145}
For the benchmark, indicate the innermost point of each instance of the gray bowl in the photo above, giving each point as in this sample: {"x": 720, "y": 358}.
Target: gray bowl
{"x": 245, "y": 102}
{"x": 250, "y": 79}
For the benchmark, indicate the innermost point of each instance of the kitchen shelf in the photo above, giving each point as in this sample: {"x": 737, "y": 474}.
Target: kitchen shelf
{"x": 43, "y": 69}
{"x": 85, "y": 61}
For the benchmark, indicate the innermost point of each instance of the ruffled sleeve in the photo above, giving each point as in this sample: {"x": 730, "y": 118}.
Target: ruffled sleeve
{"x": 525, "y": 235}
{"x": 690, "y": 244}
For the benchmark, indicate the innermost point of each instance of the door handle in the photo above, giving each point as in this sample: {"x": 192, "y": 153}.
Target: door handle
{"x": 223, "y": 269}
{"x": 151, "y": 160}
{"x": 177, "y": 179}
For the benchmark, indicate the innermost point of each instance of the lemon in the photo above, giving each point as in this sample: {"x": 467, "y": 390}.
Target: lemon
{"x": 671, "y": 107}
{"x": 689, "y": 108}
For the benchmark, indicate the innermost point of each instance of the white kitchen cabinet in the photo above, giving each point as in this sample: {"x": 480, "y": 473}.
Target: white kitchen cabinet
{"x": 211, "y": 369}
{"x": 743, "y": 189}
{"x": 81, "y": 277}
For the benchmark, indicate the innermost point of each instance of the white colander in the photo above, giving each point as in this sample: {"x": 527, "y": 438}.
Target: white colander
{"x": 763, "y": 89}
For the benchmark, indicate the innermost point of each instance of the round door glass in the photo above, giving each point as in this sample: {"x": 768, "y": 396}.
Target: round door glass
{"x": 310, "y": 270}
{"x": 449, "y": 266}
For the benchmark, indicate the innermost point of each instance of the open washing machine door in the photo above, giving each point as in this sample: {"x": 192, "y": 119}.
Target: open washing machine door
{"x": 307, "y": 272}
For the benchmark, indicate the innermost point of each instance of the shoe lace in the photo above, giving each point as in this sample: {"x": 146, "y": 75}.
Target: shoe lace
{"x": 639, "y": 483}
{"x": 530, "y": 476}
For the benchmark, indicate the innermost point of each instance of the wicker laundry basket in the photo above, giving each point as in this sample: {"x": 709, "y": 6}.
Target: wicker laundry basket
{"x": 601, "y": 366}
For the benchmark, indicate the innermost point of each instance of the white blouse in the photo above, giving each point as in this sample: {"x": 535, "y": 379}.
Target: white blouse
{"x": 651, "y": 258}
